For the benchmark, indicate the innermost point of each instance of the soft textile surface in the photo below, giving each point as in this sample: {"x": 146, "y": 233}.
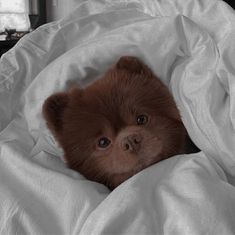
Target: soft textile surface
{"x": 190, "y": 45}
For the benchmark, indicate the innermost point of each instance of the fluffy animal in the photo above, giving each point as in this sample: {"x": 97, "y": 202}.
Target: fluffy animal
{"x": 118, "y": 125}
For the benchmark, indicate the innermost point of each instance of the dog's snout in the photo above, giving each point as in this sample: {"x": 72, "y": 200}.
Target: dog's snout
{"x": 132, "y": 143}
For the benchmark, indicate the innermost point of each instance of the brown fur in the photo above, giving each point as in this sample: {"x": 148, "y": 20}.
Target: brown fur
{"x": 109, "y": 107}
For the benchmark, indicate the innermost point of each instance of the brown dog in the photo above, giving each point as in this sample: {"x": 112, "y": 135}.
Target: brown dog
{"x": 118, "y": 125}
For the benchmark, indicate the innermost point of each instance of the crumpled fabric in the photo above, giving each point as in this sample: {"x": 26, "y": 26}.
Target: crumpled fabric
{"x": 190, "y": 46}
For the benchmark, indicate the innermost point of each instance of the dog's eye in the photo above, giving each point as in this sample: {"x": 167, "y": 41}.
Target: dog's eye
{"x": 142, "y": 119}
{"x": 103, "y": 142}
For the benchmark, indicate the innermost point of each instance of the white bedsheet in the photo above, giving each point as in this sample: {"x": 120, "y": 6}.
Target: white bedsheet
{"x": 190, "y": 45}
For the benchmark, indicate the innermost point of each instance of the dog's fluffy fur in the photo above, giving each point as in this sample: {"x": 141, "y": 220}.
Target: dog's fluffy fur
{"x": 118, "y": 125}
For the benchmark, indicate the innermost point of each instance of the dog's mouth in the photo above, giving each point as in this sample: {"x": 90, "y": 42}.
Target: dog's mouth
{"x": 136, "y": 163}
{"x": 119, "y": 177}
{"x": 136, "y": 157}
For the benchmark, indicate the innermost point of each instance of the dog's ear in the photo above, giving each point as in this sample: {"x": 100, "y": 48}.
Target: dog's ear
{"x": 133, "y": 65}
{"x": 55, "y": 106}
{"x": 53, "y": 111}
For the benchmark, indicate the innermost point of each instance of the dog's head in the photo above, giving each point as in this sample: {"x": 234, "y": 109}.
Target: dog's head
{"x": 117, "y": 126}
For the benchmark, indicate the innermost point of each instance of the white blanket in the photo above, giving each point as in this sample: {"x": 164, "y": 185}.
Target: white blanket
{"x": 190, "y": 45}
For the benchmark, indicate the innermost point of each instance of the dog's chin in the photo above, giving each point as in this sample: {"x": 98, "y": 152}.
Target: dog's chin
{"x": 117, "y": 177}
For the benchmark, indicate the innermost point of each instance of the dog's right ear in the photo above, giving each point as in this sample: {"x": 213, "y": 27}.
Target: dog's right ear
{"x": 53, "y": 111}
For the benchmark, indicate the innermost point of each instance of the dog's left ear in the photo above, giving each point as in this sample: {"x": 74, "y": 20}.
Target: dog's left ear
{"x": 133, "y": 65}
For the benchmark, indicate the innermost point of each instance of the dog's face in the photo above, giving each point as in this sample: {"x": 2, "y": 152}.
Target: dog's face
{"x": 117, "y": 126}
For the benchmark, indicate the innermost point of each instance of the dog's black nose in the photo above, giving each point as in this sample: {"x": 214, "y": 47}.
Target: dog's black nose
{"x": 132, "y": 143}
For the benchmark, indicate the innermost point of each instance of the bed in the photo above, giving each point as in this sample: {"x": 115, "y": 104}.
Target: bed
{"x": 190, "y": 45}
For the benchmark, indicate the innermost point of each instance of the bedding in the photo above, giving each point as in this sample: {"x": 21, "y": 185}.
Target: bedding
{"x": 190, "y": 46}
